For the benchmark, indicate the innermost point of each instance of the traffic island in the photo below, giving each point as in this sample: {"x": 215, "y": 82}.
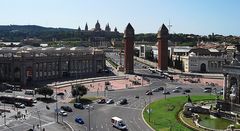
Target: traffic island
{"x": 162, "y": 115}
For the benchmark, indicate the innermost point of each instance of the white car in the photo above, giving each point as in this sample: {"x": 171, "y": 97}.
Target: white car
{"x": 62, "y": 113}
{"x": 179, "y": 87}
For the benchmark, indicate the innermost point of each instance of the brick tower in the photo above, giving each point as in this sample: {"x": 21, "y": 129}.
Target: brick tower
{"x": 162, "y": 39}
{"x": 128, "y": 49}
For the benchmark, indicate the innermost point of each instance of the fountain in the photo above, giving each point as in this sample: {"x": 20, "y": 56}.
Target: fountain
{"x": 232, "y": 99}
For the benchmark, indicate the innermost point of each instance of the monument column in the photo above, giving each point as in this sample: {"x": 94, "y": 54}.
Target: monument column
{"x": 162, "y": 39}
{"x": 128, "y": 49}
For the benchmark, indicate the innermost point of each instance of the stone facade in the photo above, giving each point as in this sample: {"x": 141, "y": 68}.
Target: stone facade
{"x": 128, "y": 49}
{"x": 232, "y": 81}
{"x": 26, "y": 65}
{"x": 162, "y": 38}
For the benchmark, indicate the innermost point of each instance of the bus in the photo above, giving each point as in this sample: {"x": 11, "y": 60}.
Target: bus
{"x": 10, "y": 99}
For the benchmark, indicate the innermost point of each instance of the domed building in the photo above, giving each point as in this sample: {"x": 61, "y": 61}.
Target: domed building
{"x": 99, "y": 37}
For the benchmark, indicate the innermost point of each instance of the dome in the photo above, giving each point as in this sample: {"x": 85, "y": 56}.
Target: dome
{"x": 97, "y": 26}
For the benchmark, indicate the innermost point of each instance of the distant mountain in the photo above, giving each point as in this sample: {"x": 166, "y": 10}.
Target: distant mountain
{"x": 29, "y": 28}
{"x": 20, "y": 32}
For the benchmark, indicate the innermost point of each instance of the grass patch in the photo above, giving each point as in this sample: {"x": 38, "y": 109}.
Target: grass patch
{"x": 86, "y": 100}
{"x": 164, "y": 113}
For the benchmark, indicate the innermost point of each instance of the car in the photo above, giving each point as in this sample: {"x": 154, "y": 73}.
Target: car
{"x": 60, "y": 94}
{"x": 166, "y": 92}
{"x": 110, "y": 101}
{"x": 176, "y": 91}
{"x": 161, "y": 88}
{"x": 62, "y": 113}
{"x": 155, "y": 90}
{"x": 137, "y": 97}
{"x": 149, "y": 92}
{"x": 34, "y": 101}
{"x": 19, "y": 105}
{"x": 207, "y": 91}
{"x": 220, "y": 92}
{"x": 101, "y": 101}
{"x": 179, "y": 87}
{"x": 123, "y": 101}
{"x": 8, "y": 91}
{"x": 78, "y": 105}
{"x": 79, "y": 120}
{"x": 66, "y": 108}
{"x": 187, "y": 91}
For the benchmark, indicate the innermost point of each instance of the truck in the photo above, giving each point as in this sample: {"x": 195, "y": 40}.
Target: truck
{"x": 118, "y": 123}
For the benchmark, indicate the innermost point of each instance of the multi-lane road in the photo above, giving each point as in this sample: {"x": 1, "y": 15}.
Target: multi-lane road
{"x": 100, "y": 115}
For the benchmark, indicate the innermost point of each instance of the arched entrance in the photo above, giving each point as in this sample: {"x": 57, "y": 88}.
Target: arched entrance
{"x": 17, "y": 75}
{"x": 29, "y": 74}
{"x": 203, "y": 68}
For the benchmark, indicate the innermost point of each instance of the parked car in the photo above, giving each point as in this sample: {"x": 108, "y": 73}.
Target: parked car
{"x": 78, "y": 105}
{"x": 149, "y": 92}
{"x": 79, "y": 120}
{"x": 62, "y": 113}
{"x": 110, "y": 101}
{"x": 66, "y": 108}
{"x": 19, "y": 105}
{"x": 176, "y": 91}
{"x": 179, "y": 87}
{"x": 166, "y": 92}
{"x": 101, "y": 101}
{"x": 123, "y": 101}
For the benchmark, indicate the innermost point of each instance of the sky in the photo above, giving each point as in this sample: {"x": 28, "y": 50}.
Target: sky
{"x": 202, "y": 17}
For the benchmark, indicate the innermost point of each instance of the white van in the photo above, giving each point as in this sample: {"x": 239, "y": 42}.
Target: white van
{"x": 118, "y": 123}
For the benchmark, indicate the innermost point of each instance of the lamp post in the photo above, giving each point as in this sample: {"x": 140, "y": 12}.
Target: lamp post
{"x": 149, "y": 109}
{"x": 4, "y": 115}
{"x": 40, "y": 124}
{"x": 89, "y": 108}
{"x": 56, "y": 102}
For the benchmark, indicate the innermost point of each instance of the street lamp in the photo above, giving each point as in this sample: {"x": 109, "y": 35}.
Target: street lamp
{"x": 56, "y": 102}
{"x": 149, "y": 109}
{"x": 89, "y": 108}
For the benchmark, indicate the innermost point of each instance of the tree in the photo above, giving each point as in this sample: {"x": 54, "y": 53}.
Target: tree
{"x": 78, "y": 91}
{"x": 45, "y": 91}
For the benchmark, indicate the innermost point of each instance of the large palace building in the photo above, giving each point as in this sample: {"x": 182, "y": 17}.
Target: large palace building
{"x": 27, "y": 65}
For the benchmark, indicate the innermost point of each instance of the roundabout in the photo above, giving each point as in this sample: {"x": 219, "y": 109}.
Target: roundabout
{"x": 167, "y": 114}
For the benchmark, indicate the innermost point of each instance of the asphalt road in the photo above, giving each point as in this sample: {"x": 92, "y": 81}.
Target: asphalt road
{"x": 101, "y": 114}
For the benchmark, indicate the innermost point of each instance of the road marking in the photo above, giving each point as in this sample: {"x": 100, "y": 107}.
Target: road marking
{"x": 48, "y": 124}
{"x": 40, "y": 119}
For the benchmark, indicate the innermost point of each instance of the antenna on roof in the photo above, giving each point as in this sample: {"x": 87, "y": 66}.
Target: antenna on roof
{"x": 169, "y": 26}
